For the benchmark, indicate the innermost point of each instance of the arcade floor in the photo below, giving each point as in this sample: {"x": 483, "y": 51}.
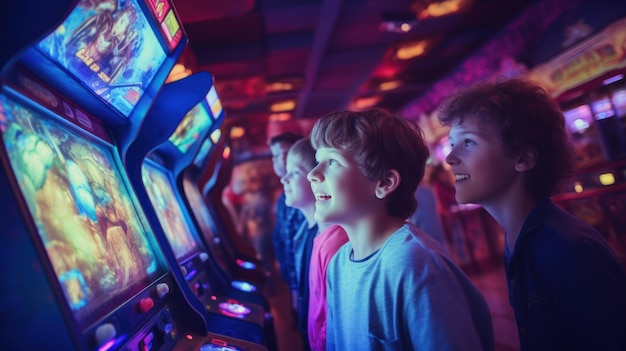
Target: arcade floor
{"x": 490, "y": 280}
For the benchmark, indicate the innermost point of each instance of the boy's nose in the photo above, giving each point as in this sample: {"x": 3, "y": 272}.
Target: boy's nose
{"x": 312, "y": 175}
{"x": 451, "y": 158}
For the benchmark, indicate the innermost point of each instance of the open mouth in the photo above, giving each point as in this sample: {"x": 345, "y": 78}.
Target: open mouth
{"x": 461, "y": 177}
{"x": 321, "y": 196}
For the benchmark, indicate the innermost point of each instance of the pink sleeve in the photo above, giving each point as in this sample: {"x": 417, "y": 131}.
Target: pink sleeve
{"x": 335, "y": 239}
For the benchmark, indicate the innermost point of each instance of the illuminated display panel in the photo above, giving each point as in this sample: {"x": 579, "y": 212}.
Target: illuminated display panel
{"x": 111, "y": 48}
{"x": 203, "y": 152}
{"x": 619, "y": 102}
{"x": 100, "y": 251}
{"x": 168, "y": 209}
{"x": 214, "y": 102}
{"x": 578, "y": 119}
{"x": 216, "y": 135}
{"x": 191, "y": 128}
{"x": 602, "y": 108}
{"x": 168, "y": 23}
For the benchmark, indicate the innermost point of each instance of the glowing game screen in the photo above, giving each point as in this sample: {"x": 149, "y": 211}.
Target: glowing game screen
{"x": 169, "y": 211}
{"x": 83, "y": 212}
{"x": 214, "y": 102}
{"x": 110, "y": 47}
{"x": 203, "y": 152}
{"x": 193, "y": 125}
{"x": 170, "y": 27}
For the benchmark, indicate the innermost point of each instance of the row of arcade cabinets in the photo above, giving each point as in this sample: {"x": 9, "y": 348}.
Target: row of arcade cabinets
{"x": 597, "y": 191}
{"x": 588, "y": 80}
{"x": 102, "y": 248}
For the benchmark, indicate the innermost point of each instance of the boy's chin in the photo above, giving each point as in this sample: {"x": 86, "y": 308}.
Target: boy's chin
{"x": 319, "y": 217}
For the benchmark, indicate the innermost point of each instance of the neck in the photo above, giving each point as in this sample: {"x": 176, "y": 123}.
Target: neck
{"x": 512, "y": 217}
{"x": 309, "y": 214}
{"x": 367, "y": 236}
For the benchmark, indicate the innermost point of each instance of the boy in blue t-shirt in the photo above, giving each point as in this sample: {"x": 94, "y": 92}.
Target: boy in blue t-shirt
{"x": 391, "y": 286}
{"x": 510, "y": 152}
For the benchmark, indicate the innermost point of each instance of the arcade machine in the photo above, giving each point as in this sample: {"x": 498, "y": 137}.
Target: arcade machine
{"x": 154, "y": 162}
{"x": 587, "y": 79}
{"x": 87, "y": 271}
{"x": 210, "y": 177}
{"x": 199, "y": 178}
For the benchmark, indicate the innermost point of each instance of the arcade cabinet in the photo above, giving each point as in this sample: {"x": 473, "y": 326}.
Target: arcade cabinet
{"x": 180, "y": 117}
{"x": 87, "y": 271}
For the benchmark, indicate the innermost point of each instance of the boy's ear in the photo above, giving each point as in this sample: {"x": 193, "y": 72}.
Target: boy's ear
{"x": 389, "y": 183}
{"x": 526, "y": 160}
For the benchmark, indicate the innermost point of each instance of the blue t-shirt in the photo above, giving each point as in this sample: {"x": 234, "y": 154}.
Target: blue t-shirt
{"x": 408, "y": 295}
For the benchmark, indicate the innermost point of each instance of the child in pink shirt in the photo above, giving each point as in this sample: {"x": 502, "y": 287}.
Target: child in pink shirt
{"x": 325, "y": 245}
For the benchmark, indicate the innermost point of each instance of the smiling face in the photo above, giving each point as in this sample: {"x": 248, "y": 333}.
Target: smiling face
{"x": 484, "y": 173}
{"x": 297, "y": 189}
{"x": 342, "y": 193}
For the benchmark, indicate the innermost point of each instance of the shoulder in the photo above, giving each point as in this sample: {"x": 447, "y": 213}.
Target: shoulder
{"x": 331, "y": 239}
{"x": 413, "y": 250}
{"x": 564, "y": 242}
{"x": 337, "y": 262}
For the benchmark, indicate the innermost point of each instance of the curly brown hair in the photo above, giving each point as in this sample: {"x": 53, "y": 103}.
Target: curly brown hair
{"x": 527, "y": 118}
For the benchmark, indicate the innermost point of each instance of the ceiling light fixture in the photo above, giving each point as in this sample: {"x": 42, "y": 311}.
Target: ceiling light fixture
{"x": 278, "y": 86}
{"x": 412, "y": 50}
{"x": 280, "y": 117}
{"x": 390, "y": 85}
{"x": 440, "y": 8}
{"x": 365, "y": 102}
{"x": 283, "y": 106}
{"x": 237, "y": 132}
{"x": 397, "y": 22}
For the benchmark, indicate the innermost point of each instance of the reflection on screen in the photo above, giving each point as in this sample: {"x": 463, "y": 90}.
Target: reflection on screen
{"x": 193, "y": 125}
{"x": 110, "y": 47}
{"x": 83, "y": 212}
{"x": 168, "y": 210}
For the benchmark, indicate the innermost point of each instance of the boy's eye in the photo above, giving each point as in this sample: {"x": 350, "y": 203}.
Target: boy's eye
{"x": 469, "y": 142}
{"x": 332, "y": 162}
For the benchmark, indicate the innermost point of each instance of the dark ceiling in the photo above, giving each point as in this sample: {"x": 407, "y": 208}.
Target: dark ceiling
{"x": 330, "y": 52}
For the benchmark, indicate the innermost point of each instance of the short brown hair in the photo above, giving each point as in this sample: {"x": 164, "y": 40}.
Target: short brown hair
{"x": 305, "y": 151}
{"x": 378, "y": 141}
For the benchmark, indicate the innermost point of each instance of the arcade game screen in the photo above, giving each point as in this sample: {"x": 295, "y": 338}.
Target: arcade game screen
{"x": 110, "y": 47}
{"x": 214, "y": 102}
{"x": 169, "y": 211}
{"x": 584, "y": 135}
{"x": 94, "y": 239}
{"x": 193, "y": 125}
{"x": 202, "y": 154}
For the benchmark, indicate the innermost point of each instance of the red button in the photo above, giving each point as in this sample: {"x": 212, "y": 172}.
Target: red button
{"x": 145, "y": 304}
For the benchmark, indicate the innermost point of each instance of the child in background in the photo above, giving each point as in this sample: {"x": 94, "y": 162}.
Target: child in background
{"x": 288, "y": 219}
{"x": 298, "y": 194}
{"x": 509, "y": 154}
{"x": 391, "y": 286}
{"x": 325, "y": 246}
